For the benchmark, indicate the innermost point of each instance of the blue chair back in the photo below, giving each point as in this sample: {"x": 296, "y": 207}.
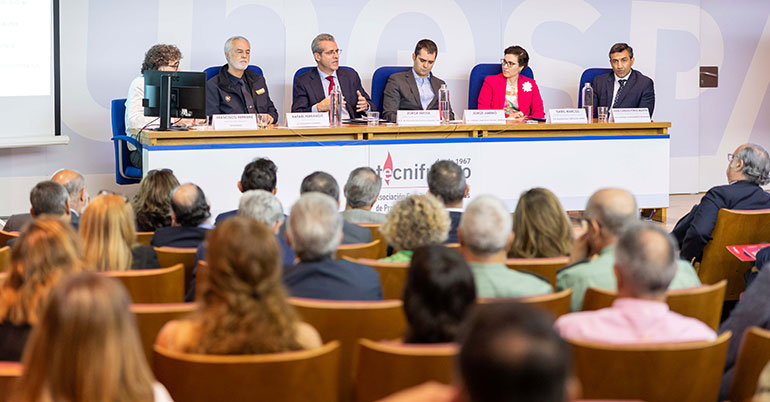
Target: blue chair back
{"x": 124, "y": 172}
{"x": 303, "y": 70}
{"x": 481, "y": 71}
{"x": 379, "y": 79}
{"x": 588, "y": 76}
{"x": 214, "y": 70}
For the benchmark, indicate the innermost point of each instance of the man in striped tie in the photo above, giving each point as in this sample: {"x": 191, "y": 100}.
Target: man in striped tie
{"x": 623, "y": 87}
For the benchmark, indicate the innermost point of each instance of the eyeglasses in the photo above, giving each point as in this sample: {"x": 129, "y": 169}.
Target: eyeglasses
{"x": 175, "y": 66}
{"x": 730, "y": 157}
{"x": 333, "y": 51}
{"x": 509, "y": 64}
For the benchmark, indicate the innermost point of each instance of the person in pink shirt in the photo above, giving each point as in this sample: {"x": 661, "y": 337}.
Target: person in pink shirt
{"x": 645, "y": 264}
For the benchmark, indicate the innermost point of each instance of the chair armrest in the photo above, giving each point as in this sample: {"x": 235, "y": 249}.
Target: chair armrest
{"x": 133, "y": 141}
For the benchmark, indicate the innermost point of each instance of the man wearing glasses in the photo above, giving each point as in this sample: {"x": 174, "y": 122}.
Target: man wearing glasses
{"x": 748, "y": 168}
{"x": 312, "y": 89}
{"x": 236, "y": 89}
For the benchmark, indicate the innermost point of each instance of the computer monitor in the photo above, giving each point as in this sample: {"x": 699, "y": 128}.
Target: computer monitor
{"x": 170, "y": 94}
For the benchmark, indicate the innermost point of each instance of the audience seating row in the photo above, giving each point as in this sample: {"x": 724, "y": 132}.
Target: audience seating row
{"x": 5, "y": 258}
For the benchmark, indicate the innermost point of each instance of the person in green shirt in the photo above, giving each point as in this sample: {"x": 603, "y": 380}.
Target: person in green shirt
{"x": 417, "y": 220}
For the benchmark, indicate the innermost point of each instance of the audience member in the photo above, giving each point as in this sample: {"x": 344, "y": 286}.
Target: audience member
{"x": 541, "y": 228}
{"x": 361, "y": 192}
{"x": 189, "y": 212}
{"x": 485, "y": 236}
{"x": 109, "y": 237}
{"x": 152, "y": 203}
{"x": 75, "y": 184}
{"x": 243, "y": 307}
{"x": 748, "y": 168}
{"x": 323, "y": 182}
{"x": 438, "y": 294}
{"x": 86, "y": 347}
{"x": 46, "y": 198}
{"x": 314, "y": 231}
{"x": 46, "y": 250}
{"x": 645, "y": 264}
{"x": 415, "y": 221}
{"x": 446, "y": 181}
{"x": 259, "y": 174}
{"x": 608, "y": 212}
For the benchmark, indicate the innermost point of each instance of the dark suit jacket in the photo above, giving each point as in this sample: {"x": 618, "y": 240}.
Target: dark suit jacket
{"x": 401, "y": 93}
{"x": 223, "y": 98}
{"x": 309, "y": 90}
{"x": 639, "y": 91}
{"x": 16, "y": 222}
{"x": 224, "y": 215}
{"x": 178, "y": 236}
{"x": 144, "y": 257}
{"x": 351, "y": 233}
{"x": 693, "y": 231}
{"x": 454, "y": 217}
{"x": 332, "y": 280}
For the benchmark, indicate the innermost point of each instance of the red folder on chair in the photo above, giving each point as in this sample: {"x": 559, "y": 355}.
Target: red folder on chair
{"x": 747, "y": 252}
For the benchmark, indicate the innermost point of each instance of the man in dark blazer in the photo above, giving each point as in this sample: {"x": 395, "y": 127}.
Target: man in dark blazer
{"x": 325, "y": 183}
{"x": 416, "y": 89}
{"x": 235, "y": 89}
{"x": 75, "y": 185}
{"x": 747, "y": 170}
{"x": 314, "y": 232}
{"x": 189, "y": 212}
{"x": 446, "y": 181}
{"x": 259, "y": 174}
{"x": 623, "y": 87}
{"x": 312, "y": 89}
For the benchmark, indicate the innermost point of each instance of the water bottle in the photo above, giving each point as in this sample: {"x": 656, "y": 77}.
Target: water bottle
{"x": 335, "y": 106}
{"x": 588, "y": 101}
{"x": 443, "y": 104}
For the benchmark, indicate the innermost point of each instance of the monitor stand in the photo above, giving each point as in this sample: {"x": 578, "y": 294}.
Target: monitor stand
{"x": 165, "y": 106}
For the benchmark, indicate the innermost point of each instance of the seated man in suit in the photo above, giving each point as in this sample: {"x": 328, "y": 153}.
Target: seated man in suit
{"x": 608, "y": 212}
{"x": 78, "y": 196}
{"x": 189, "y": 212}
{"x": 623, "y": 87}
{"x": 259, "y": 174}
{"x": 446, "y": 180}
{"x": 50, "y": 199}
{"x": 748, "y": 168}
{"x": 314, "y": 231}
{"x": 323, "y": 182}
{"x": 645, "y": 265}
{"x": 361, "y": 193}
{"x": 235, "y": 89}
{"x": 416, "y": 89}
{"x": 312, "y": 89}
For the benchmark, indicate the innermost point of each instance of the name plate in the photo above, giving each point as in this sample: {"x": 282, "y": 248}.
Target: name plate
{"x": 418, "y": 118}
{"x": 484, "y": 117}
{"x": 631, "y": 115}
{"x": 304, "y": 120}
{"x": 234, "y": 121}
{"x": 567, "y": 116}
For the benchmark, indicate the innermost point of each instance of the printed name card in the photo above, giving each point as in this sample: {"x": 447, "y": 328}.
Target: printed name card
{"x": 234, "y": 121}
{"x": 418, "y": 118}
{"x": 304, "y": 120}
{"x": 631, "y": 115}
{"x": 567, "y": 116}
{"x": 484, "y": 117}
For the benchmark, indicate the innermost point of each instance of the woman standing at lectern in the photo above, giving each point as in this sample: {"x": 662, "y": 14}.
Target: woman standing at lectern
{"x": 518, "y": 95}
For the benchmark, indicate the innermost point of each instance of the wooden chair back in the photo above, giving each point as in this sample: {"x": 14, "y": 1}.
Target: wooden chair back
{"x": 5, "y": 236}
{"x": 392, "y": 276}
{"x": 732, "y": 227}
{"x": 347, "y": 321}
{"x": 5, "y": 258}
{"x": 545, "y": 267}
{"x": 168, "y": 256}
{"x": 9, "y": 374}
{"x": 144, "y": 238}
{"x": 150, "y": 318}
{"x": 557, "y": 304}
{"x": 359, "y": 250}
{"x": 163, "y": 285}
{"x": 382, "y": 248}
{"x": 301, "y": 376}
{"x": 701, "y": 302}
{"x": 383, "y": 368}
{"x": 676, "y": 372}
{"x": 753, "y": 355}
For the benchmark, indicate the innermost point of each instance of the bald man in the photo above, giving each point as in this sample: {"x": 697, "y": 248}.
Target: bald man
{"x": 189, "y": 213}
{"x": 75, "y": 184}
{"x": 608, "y": 212}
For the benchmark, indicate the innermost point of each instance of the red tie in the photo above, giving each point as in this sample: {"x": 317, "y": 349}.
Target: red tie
{"x": 331, "y": 84}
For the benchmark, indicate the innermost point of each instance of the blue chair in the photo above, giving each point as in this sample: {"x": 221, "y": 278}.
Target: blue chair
{"x": 212, "y": 71}
{"x": 588, "y": 76}
{"x": 481, "y": 71}
{"x": 303, "y": 70}
{"x": 125, "y": 173}
{"x": 379, "y": 79}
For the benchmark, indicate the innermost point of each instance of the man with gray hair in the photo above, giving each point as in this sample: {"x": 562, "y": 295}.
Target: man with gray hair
{"x": 645, "y": 264}
{"x": 748, "y": 168}
{"x": 446, "y": 180}
{"x": 608, "y": 212}
{"x": 47, "y": 198}
{"x": 361, "y": 193}
{"x": 75, "y": 185}
{"x": 485, "y": 236}
{"x": 236, "y": 89}
{"x": 314, "y": 230}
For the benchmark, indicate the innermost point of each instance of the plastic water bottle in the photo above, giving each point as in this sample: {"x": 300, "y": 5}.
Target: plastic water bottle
{"x": 335, "y": 106}
{"x": 443, "y": 104}
{"x": 588, "y": 101}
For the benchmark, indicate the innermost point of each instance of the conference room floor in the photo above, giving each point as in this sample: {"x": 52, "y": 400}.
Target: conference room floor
{"x": 679, "y": 205}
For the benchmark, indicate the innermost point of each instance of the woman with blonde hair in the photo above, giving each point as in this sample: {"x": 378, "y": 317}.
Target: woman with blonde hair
{"x": 243, "y": 307}
{"x": 541, "y": 228}
{"x": 415, "y": 221}
{"x": 109, "y": 237}
{"x": 87, "y": 348}
{"x": 44, "y": 252}
{"x": 153, "y": 201}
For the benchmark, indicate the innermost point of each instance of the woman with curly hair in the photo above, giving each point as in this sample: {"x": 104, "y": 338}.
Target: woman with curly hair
{"x": 243, "y": 307}
{"x": 152, "y": 203}
{"x": 44, "y": 252}
{"x": 415, "y": 221}
{"x": 541, "y": 228}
